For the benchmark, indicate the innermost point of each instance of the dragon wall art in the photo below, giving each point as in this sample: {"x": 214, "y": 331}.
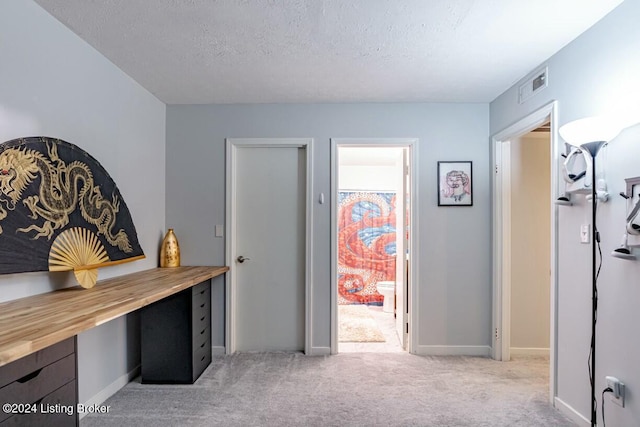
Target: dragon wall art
{"x": 60, "y": 210}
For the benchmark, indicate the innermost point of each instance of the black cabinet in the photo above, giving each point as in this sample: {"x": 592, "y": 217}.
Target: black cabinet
{"x": 176, "y": 337}
{"x": 41, "y": 388}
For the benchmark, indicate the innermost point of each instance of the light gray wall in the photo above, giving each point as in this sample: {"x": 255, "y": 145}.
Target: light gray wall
{"x": 595, "y": 74}
{"x": 455, "y": 302}
{"x": 52, "y": 83}
{"x": 530, "y": 241}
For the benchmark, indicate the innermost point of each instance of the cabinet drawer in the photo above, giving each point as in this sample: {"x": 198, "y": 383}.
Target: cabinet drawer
{"x": 202, "y": 345}
{"x": 202, "y": 338}
{"x": 201, "y": 358}
{"x": 202, "y": 301}
{"x": 28, "y": 364}
{"x": 48, "y": 414}
{"x": 201, "y": 309}
{"x": 39, "y": 383}
{"x": 203, "y": 286}
{"x": 200, "y": 321}
{"x": 201, "y": 333}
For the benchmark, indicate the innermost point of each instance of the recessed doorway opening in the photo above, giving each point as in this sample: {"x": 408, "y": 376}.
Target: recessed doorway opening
{"x": 371, "y": 227}
{"x": 525, "y": 236}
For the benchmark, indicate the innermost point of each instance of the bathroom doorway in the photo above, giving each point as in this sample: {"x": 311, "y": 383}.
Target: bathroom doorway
{"x": 372, "y": 223}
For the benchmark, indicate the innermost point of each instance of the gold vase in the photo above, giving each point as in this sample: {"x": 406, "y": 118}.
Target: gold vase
{"x": 170, "y": 250}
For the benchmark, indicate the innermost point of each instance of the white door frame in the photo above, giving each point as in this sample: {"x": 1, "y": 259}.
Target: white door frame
{"x": 501, "y": 214}
{"x": 412, "y": 144}
{"x": 232, "y": 145}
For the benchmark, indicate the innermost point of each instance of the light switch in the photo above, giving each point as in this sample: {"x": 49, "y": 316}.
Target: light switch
{"x": 219, "y": 230}
{"x": 585, "y": 232}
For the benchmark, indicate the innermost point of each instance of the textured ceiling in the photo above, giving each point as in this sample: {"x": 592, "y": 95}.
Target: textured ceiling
{"x": 258, "y": 51}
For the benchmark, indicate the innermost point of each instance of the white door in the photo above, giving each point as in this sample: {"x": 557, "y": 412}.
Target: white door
{"x": 402, "y": 201}
{"x": 268, "y": 260}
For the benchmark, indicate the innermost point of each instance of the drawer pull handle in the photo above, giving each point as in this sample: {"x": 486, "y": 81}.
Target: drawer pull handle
{"x": 202, "y": 332}
{"x": 203, "y": 291}
{"x": 29, "y": 377}
{"x": 202, "y": 345}
{"x": 202, "y": 358}
{"x": 202, "y": 305}
{"x": 202, "y": 318}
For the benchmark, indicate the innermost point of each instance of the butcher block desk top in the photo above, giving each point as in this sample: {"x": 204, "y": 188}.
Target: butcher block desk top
{"x": 33, "y": 323}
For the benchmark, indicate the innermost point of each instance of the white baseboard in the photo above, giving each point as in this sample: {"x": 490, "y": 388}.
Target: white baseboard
{"x": 574, "y": 415}
{"x": 524, "y": 351}
{"x": 218, "y": 350}
{"x": 454, "y": 350}
{"x": 320, "y": 351}
{"x": 111, "y": 389}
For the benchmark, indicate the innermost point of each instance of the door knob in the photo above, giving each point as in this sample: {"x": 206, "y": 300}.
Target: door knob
{"x": 242, "y": 259}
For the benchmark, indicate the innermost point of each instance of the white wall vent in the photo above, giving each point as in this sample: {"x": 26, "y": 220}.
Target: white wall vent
{"x": 534, "y": 84}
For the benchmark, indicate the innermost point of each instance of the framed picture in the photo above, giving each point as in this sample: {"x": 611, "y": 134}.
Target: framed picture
{"x": 455, "y": 184}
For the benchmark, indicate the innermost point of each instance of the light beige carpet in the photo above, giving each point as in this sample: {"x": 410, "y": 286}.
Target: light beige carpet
{"x": 356, "y": 324}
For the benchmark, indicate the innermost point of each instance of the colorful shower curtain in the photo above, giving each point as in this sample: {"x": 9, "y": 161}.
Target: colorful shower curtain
{"x": 366, "y": 245}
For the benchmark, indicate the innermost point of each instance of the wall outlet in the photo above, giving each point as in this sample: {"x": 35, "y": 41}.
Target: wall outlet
{"x": 585, "y": 233}
{"x": 617, "y": 395}
{"x": 219, "y": 230}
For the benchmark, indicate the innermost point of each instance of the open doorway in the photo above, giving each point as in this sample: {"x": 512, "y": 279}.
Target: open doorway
{"x": 525, "y": 241}
{"x": 372, "y": 218}
{"x": 530, "y": 244}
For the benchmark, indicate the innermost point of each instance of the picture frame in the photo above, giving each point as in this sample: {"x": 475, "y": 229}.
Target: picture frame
{"x": 455, "y": 183}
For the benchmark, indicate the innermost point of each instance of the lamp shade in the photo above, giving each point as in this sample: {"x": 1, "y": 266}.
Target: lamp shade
{"x": 590, "y": 129}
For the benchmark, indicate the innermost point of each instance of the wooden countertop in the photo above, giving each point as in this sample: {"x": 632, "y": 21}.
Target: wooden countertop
{"x": 33, "y": 323}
